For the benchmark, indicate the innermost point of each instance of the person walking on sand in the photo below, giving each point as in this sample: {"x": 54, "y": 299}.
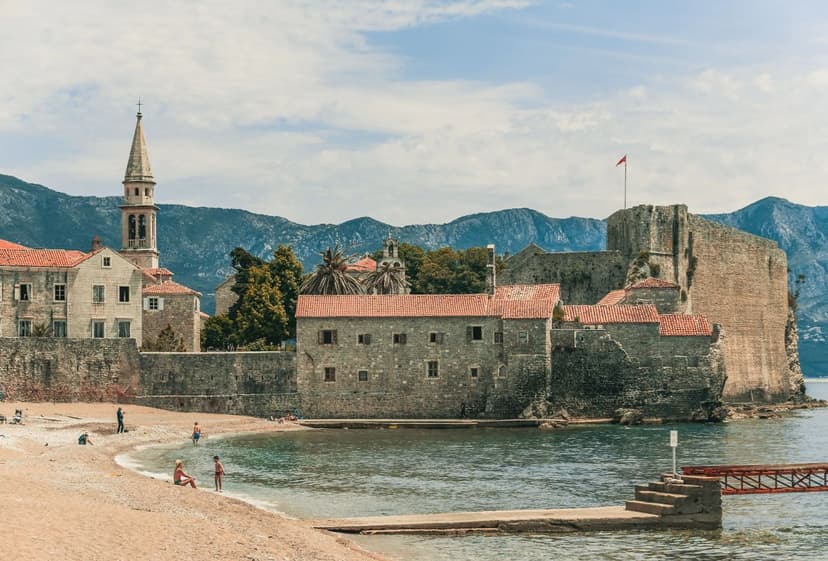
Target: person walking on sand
{"x": 196, "y": 433}
{"x": 219, "y": 472}
{"x": 181, "y": 478}
{"x": 120, "y": 416}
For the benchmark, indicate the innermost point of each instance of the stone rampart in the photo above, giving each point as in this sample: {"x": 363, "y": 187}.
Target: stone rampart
{"x": 52, "y": 369}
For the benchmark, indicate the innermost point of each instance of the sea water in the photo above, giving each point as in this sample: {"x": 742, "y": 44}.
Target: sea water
{"x": 343, "y": 473}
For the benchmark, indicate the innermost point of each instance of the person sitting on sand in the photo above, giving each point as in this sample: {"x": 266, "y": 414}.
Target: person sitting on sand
{"x": 18, "y": 417}
{"x": 196, "y": 433}
{"x": 181, "y": 478}
{"x": 83, "y": 440}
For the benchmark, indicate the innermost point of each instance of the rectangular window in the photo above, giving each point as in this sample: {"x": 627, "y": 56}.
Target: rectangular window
{"x": 24, "y": 328}
{"x": 523, "y": 337}
{"x": 330, "y": 374}
{"x": 474, "y": 371}
{"x": 364, "y": 339}
{"x": 106, "y": 261}
{"x": 25, "y": 292}
{"x": 152, "y": 303}
{"x": 399, "y": 338}
{"x": 60, "y": 293}
{"x": 362, "y": 375}
{"x": 98, "y": 294}
{"x": 98, "y": 329}
{"x": 59, "y": 328}
{"x": 123, "y": 294}
{"x": 474, "y": 333}
{"x": 498, "y": 337}
{"x": 123, "y": 329}
{"x": 433, "y": 369}
{"x": 436, "y": 338}
{"x": 327, "y": 336}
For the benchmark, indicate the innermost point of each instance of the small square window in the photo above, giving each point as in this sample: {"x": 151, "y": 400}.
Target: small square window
{"x": 399, "y": 338}
{"x": 433, "y": 369}
{"x": 98, "y": 292}
{"x": 106, "y": 261}
{"x": 59, "y": 328}
{"x": 98, "y": 329}
{"x": 60, "y": 293}
{"x": 362, "y": 375}
{"x": 123, "y": 329}
{"x": 523, "y": 337}
{"x": 25, "y": 292}
{"x": 330, "y": 374}
{"x": 474, "y": 371}
{"x": 436, "y": 338}
{"x": 364, "y": 339}
{"x": 327, "y": 336}
{"x": 498, "y": 337}
{"x": 475, "y": 332}
{"x": 123, "y": 294}
{"x": 152, "y": 303}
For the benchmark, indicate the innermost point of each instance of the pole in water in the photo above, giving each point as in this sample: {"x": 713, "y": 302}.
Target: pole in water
{"x": 674, "y": 445}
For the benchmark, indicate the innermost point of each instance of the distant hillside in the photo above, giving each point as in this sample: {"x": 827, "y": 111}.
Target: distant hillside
{"x": 195, "y": 242}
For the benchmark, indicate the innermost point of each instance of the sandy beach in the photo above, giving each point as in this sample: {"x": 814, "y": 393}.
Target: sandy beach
{"x": 62, "y": 501}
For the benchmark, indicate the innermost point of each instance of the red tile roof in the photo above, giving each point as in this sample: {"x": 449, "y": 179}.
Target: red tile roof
{"x": 41, "y": 257}
{"x": 168, "y": 287}
{"x": 509, "y": 302}
{"x": 654, "y": 283}
{"x": 5, "y": 244}
{"x": 613, "y": 298}
{"x": 364, "y": 265}
{"x": 597, "y": 315}
{"x": 684, "y": 325}
{"x": 158, "y": 271}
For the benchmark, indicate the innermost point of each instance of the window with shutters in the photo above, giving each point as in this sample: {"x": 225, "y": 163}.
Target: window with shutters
{"x": 98, "y": 329}
{"x": 106, "y": 262}
{"x": 59, "y": 328}
{"x": 399, "y": 338}
{"x": 523, "y": 338}
{"x": 123, "y": 329}
{"x": 98, "y": 293}
{"x": 24, "y": 292}
{"x": 433, "y": 369}
{"x": 362, "y": 375}
{"x": 364, "y": 339}
{"x": 153, "y": 303}
{"x": 436, "y": 337}
{"x": 498, "y": 337}
{"x": 474, "y": 333}
{"x": 24, "y": 328}
{"x": 330, "y": 374}
{"x": 327, "y": 336}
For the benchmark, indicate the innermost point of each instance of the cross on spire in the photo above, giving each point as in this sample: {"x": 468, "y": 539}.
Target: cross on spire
{"x": 139, "y": 104}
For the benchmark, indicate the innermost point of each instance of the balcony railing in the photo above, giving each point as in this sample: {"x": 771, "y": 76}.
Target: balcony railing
{"x": 138, "y": 244}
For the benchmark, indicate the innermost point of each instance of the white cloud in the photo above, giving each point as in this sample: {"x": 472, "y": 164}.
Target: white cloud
{"x": 292, "y": 110}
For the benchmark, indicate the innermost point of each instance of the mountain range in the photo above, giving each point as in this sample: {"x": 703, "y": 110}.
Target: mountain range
{"x": 194, "y": 242}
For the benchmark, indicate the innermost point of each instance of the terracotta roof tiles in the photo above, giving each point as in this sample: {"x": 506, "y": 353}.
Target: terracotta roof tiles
{"x": 41, "y": 257}
{"x": 364, "y": 265}
{"x": 654, "y": 283}
{"x": 168, "y": 287}
{"x": 613, "y": 298}
{"x": 684, "y": 325}
{"x": 598, "y": 315}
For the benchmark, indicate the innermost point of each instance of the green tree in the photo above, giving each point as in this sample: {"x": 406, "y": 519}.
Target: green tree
{"x": 287, "y": 274}
{"x": 218, "y": 334}
{"x": 387, "y": 279}
{"x": 330, "y": 276}
{"x": 167, "y": 342}
{"x": 259, "y": 314}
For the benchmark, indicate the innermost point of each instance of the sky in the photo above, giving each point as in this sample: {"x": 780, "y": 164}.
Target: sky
{"x": 421, "y": 111}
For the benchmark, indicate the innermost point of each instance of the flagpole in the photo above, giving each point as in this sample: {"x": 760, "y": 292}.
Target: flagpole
{"x": 625, "y": 182}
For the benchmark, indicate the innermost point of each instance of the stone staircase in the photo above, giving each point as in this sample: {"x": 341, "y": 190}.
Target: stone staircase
{"x": 688, "y": 499}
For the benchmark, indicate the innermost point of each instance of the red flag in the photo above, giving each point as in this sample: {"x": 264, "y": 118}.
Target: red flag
{"x": 622, "y": 161}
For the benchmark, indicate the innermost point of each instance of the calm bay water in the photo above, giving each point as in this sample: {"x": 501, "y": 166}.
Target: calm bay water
{"x": 339, "y": 473}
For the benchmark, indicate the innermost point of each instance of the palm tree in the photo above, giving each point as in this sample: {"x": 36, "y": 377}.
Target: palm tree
{"x": 330, "y": 276}
{"x": 389, "y": 278}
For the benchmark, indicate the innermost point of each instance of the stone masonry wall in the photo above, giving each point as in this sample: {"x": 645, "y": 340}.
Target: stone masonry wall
{"x": 585, "y": 276}
{"x": 595, "y": 372}
{"x": 181, "y": 314}
{"x": 245, "y": 383}
{"x": 35, "y": 368}
{"x": 666, "y": 300}
{"x": 396, "y": 380}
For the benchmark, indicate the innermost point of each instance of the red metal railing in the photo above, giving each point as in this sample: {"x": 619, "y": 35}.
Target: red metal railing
{"x": 756, "y": 479}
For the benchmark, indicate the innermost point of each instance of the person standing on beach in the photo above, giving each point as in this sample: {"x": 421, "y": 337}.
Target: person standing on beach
{"x": 120, "y": 417}
{"x": 219, "y": 472}
{"x": 196, "y": 433}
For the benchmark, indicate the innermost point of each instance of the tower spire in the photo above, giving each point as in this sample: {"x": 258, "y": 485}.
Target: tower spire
{"x": 138, "y": 166}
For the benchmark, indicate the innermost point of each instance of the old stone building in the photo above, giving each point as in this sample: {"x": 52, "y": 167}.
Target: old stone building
{"x": 68, "y": 293}
{"x": 733, "y": 278}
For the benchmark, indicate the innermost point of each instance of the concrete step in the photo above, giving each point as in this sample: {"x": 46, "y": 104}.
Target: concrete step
{"x": 659, "y": 497}
{"x": 674, "y": 488}
{"x": 698, "y": 479}
{"x": 650, "y": 508}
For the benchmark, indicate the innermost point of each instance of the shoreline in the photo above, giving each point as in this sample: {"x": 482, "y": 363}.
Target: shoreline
{"x": 65, "y": 501}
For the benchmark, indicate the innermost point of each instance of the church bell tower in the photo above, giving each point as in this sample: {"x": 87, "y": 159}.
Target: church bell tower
{"x": 138, "y": 211}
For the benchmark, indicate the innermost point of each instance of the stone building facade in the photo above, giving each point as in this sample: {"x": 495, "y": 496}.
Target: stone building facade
{"x": 169, "y": 304}
{"x": 69, "y": 294}
{"x": 733, "y": 278}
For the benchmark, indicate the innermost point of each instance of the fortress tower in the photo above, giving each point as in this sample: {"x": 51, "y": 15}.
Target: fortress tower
{"x": 138, "y": 212}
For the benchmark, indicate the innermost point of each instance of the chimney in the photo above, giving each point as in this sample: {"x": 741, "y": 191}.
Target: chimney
{"x": 96, "y": 243}
{"x": 490, "y": 270}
